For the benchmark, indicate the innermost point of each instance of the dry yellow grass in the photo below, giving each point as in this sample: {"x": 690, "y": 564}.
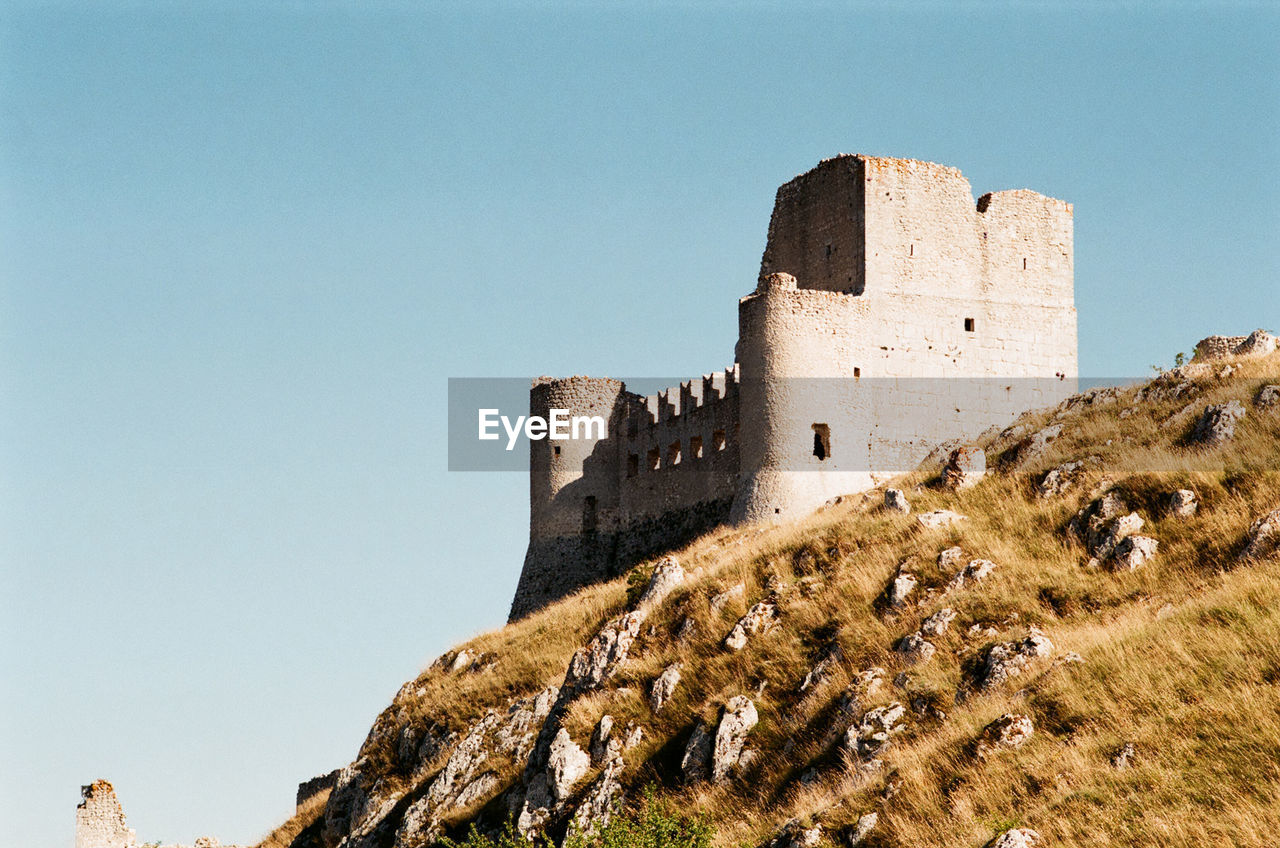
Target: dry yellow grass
{"x": 306, "y": 815}
{"x": 1181, "y": 657}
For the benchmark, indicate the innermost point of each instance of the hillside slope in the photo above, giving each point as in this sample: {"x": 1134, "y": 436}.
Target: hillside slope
{"x": 857, "y": 663}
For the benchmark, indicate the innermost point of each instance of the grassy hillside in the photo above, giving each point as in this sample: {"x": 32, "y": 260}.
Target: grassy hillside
{"x": 1179, "y": 658}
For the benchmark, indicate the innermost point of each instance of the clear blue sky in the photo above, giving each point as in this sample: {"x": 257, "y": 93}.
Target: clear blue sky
{"x": 242, "y": 250}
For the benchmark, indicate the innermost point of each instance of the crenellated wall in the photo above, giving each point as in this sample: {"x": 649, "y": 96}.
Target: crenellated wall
{"x": 893, "y": 312}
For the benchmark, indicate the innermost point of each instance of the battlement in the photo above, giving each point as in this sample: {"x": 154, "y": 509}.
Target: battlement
{"x": 873, "y": 267}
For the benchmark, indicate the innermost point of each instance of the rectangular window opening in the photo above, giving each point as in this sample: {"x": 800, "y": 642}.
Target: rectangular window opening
{"x": 857, "y": 373}
{"x": 695, "y": 447}
{"x": 655, "y": 457}
{"x": 968, "y": 325}
{"x": 717, "y": 440}
{"x": 821, "y": 442}
{"x": 673, "y": 453}
{"x": 556, "y": 448}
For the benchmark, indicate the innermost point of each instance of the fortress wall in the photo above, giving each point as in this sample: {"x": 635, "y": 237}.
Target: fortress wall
{"x": 816, "y": 230}
{"x": 100, "y": 819}
{"x": 1029, "y": 244}
{"x": 920, "y": 229}
{"x": 565, "y": 473}
{"x": 890, "y": 376}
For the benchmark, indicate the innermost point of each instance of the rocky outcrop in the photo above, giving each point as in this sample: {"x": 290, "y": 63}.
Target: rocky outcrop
{"x": 664, "y": 687}
{"x": 794, "y": 834}
{"x": 938, "y": 519}
{"x": 1103, "y": 526}
{"x": 1268, "y": 398}
{"x": 1133, "y": 551}
{"x": 1010, "y": 659}
{"x": 1183, "y": 504}
{"x": 900, "y": 588}
{"x": 1257, "y": 343}
{"x": 895, "y": 500}
{"x": 1263, "y": 537}
{"x": 965, "y": 467}
{"x": 915, "y": 648}
{"x": 758, "y": 621}
{"x": 1004, "y": 734}
{"x": 873, "y": 734}
{"x": 667, "y": 575}
{"x": 1019, "y": 837}
{"x": 971, "y": 575}
{"x": 1058, "y": 480}
{"x": 739, "y": 718}
{"x": 937, "y": 624}
{"x": 1217, "y": 424}
{"x": 598, "y": 801}
{"x": 861, "y": 829}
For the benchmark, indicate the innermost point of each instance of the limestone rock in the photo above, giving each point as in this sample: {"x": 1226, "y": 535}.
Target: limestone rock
{"x": 1268, "y": 398}
{"x": 1019, "y": 837}
{"x": 965, "y": 467}
{"x": 664, "y": 687}
{"x": 939, "y": 518}
{"x": 915, "y": 648}
{"x": 821, "y": 670}
{"x": 695, "y": 765}
{"x": 972, "y": 574}
{"x": 1217, "y": 424}
{"x": 600, "y": 747}
{"x": 900, "y": 589}
{"x": 937, "y": 624}
{"x": 598, "y": 801}
{"x": 1005, "y": 733}
{"x": 1035, "y": 444}
{"x": 1058, "y": 480}
{"x": 1124, "y": 756}
{"x": 1102, "y": 526}
{"x": 1263, "y": 537}
{"x": 758, "y": 620}
{"x": 739, "y": 718}
{"x": 895, "y": 500}
{"x": 667, "y": 575}
{"x": 1133, "y": 551}
{"x": 1258, "y": 343}
{"x": 567, "y": 765}
{"x": 793, "y": 834}
{"x": 1010, "y": 659}
{"x": 950, "y": 559}
{"x": 873, "y": 734}
{"x": 862, "y": 829}
{"x": 1183, "y": 504}
{"x": 600, "y": 660}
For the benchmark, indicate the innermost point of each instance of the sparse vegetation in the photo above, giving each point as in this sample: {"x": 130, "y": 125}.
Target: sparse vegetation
{"x": 1181, "y": 657}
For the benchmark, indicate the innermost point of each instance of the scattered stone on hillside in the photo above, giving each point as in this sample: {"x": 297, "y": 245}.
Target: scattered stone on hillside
{"x": 1268, "y": 398}
{"x": 861, "y": 830}
{"x": 1217, "y": 424}
{"x": 821, "y": 671}
{"x": 1019, "y": 837}
{"x": 1123, "y": 757}
{"x": 1009, "y": 659}
{"x": 971, "y": 575}
{"x": 664, "y": 687}
{"x": 598, "y": 801}
{"x": 965, "y": 467}
{"x": 950, "y": 559}
{"x": 667, "y": 575}
{"x": 939, "y": 518}
{"x": 695, "y": 765}
{"x": 602, "y": 745}
{"x": 937, "y": 624}
{"x": 633, "y": 736}
{"x": 1034, "y": 445}
{"x": 895, "y": 500}
{"x": 356, "y": 813}
{"x": 567, "y": 763}
{"x": 1263, "y": 537}
{"x": 903, "y": 584}
{"x": 1183, "y": 504}
{"x": 739, "y": 718}
{"x": 418, "y": 746}
{"x": 873, "y": 734}
{"x": 1060, "y": 479}
{"x": 795, "y": 835}
{"x": 463, "y": 660}
{"x": 915, "y": 648}
{"x": 758, "y": 621}
{"x": 1004, "y": 734}
{"x": 1109, "y": 536}
{"x": 981, "y": 631}
{"x": 1069, "y": 658}
{"x": 1102, "y": 526}
{"x": 598, "y": 661}
{"x": 515, "y": 735}
{"x": 720, "y": 601}
{"x": 1133, "y": 551}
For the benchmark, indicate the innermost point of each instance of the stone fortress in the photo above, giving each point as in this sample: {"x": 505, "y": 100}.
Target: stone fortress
{"x": 892, "y": 313}
{"x": 100, "y": 822}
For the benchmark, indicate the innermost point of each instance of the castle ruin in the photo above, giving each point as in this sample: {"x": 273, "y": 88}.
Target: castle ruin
{"x": 892, "y": 313}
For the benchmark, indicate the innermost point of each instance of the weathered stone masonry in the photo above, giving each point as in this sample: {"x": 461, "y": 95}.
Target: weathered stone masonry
{"x": 888, "y": 304}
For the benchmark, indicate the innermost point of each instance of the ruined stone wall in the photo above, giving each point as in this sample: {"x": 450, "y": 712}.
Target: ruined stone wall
{"x": 308, "y": 789}
{"x": 100, "y": 818}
